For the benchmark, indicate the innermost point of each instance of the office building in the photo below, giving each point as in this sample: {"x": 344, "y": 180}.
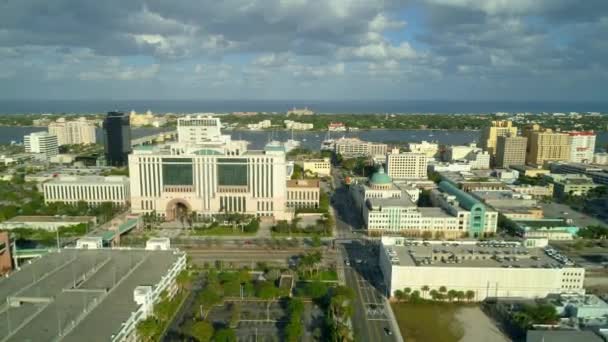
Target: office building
{"x": 406, "y": 165}
{"x": 303, "y": 193}
{"x": 200, "y": 129}
{"x": 210, "y": 178}
{"x": 600, "y": 158}
{"x": 536, "y": 191}
{"x": 510, "y": 150}
{"x": 582, "y": 147}
{"x": 93, "y": 190}
{"x": 544, "y": 145}
{"x": 489, "y": 270}
{"x": 117, "y": 134}
{"x": 489, "y": 135}
{"x": 42, "y": 143}
{"x": 459, "y": 152}
{"x": 354, "y": 147}
{"x": 80, "y": 131}
{"x": 428, "y": 149}
{"x": 96, "y": 294}
{"x": 571, "y": 184}
{"x": 545, "y": 228}
{"x": 319, "y": 167}
{"x": 479, "y": 160}
{"x": 474, "y": 219}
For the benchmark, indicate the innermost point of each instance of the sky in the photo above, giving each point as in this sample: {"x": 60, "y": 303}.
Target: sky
{"x": 520, "y": 50}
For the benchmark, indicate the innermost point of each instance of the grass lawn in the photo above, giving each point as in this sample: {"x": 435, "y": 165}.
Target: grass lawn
{"x": 428, "y": 322}
{"x": 220, "y": 230}
{"x": 323, "y": 275}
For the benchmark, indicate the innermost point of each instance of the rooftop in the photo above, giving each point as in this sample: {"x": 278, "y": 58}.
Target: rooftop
{"x": 404, "y": 201}
{"x": 452, "y": 254}
{"x": 433, "y": 212}
{"x": 303, "y": 183}
{"x": 561, "y": 336}
{"x": 90, "y": 179}
{"x": 63, "y": 218}
{"x": 78, "y": 294}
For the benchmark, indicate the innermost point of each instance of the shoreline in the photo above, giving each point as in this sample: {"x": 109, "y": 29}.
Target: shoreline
{"x": 300, "y": 131}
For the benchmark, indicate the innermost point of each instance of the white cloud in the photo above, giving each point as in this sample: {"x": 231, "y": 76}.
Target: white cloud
{"x": 114, "y": 70}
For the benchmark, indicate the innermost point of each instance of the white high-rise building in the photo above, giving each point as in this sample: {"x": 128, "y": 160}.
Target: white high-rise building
{"x": 41, "y": 142}
{"x": 429, "y": 149}
{"x": 582, "y": 147}
{"x": 81, "y": 131}
{"x": 200, "y": 129}
{"x": 205, "y": 176}
{"x": 406, "y": 165}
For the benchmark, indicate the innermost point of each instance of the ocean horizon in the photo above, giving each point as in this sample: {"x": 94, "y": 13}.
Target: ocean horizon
{"x": 319, "y": 106}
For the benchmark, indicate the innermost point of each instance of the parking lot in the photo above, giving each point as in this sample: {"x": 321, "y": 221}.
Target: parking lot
{"x": 558, "y": 210}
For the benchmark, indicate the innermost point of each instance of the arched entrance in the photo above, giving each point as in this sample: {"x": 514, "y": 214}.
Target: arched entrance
{"x": 177, "y": 210}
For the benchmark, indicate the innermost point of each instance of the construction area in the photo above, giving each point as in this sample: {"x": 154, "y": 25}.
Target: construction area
{"x": 66, "y": 295}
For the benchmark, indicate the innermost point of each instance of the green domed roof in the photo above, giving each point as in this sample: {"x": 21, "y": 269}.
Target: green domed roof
{"x": 380, "y": 178}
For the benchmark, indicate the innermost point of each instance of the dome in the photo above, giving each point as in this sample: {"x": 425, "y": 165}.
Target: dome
{"x": 380, "y": 178}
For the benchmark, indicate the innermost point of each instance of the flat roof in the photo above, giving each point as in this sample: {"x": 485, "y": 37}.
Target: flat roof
{"x": 471, "y": 255}
{"x": 403, "y": 201}
{"x": 433, "y": 212}
{"x": 78, "y": 294}
{"x": 303, "y": 183}
{"x": 24, "y": 219}
{"x": 90, "y": 179}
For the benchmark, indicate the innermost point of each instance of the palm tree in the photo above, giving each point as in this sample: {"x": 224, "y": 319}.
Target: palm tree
{"x": 460, "y": 295}
{"x": 434, "y": 294}
{"x": 425, "y": 289}
{"x": 399, "y": 295}
{"x": 407, "y": 290}
{"x": 452, "y": 295}
{"x": 443, "y": 289}
{"x": 470, "y": 295}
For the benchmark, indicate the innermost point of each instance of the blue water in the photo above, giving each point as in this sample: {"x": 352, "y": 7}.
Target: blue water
{"x": 220, "y": 106}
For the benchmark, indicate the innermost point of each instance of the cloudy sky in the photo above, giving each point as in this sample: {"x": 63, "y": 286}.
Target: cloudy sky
{"x": 304, "y": 49}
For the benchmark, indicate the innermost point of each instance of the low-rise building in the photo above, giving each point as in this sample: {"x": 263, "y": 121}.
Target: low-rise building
{"x": 459, "y": 152}
{"x": 571, "y": 184}
{"x": 303, "y": 193}
{"x": 460, "y": 166}
{"x": 511, "y": 204}
{"x": 488, "y": 269}
{"x": 336, "y": 127}
{"x": 535, "y": 191}
{"x": 50, "y": 223}
{"x": 319, "y": 167}
{"x": 551, "y": 229}
{"x": 91, "y": 189}
{"x": 354, "y": 147}
{"x": 474, "y": 218}
{"x": 260, "y": 125}
{"x": 297, "y": 126}
{"x": 584, "y": 307}
{"x": 600, "y": 158}
{"x": 147, "y": 119}
{"x": 530, "y": 171}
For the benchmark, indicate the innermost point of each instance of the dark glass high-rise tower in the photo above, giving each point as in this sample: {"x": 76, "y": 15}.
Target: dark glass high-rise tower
{"x": 117, "y": 134}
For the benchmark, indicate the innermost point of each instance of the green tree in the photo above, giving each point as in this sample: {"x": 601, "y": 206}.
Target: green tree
{"x": 425, "y": 289}
{"x": 148, "y": 329}
{"x": 399, "y": 295}
{"x": 202, "y": 331}
{"x": 225, "y": 335}
{"x": 469, "y": 295}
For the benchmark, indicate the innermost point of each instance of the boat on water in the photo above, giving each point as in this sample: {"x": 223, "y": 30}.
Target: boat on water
{"x": 291, "y": 145}
{"x": 328, "y": 143}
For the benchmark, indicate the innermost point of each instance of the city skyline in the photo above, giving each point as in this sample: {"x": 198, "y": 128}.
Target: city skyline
{"x": 423, "y": 49}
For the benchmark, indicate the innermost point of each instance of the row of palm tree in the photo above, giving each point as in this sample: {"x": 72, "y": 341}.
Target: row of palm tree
{"x": 439, "y": 294}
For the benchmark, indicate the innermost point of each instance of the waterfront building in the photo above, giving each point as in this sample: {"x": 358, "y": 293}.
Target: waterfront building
{"x": 301, "y": 111}
{"x": 42, "y": 143}
{"x": 303, "y": 193}
{"x": 93, "y": 190}
{"x": 80, "y": 131}
{"x": 115, "y": 290}
{"x": 200, "y": 129}
{"x": 544, "y": 145}
{"x": 210, "y": 178}
{"x": 582, "y": 147}
{"x": 428, "y": 149}
{"x": 406, "y": 165}
{"x": 297, "y": 126}
{"x": 474, "y": 218}
{"x": 336, "y": 127}
{"x": 459, "y": 152}
{"x": 319, "y": 167}
{"x": 489, "y": 135}
{"x": 146, "y": 119}
{"x": 260, "y": 125}
{"x": 510, "y": 150}
{"x": 354, "y": 147}
{"x": 490, "y": 270}
{"x": 117, "y": 133}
